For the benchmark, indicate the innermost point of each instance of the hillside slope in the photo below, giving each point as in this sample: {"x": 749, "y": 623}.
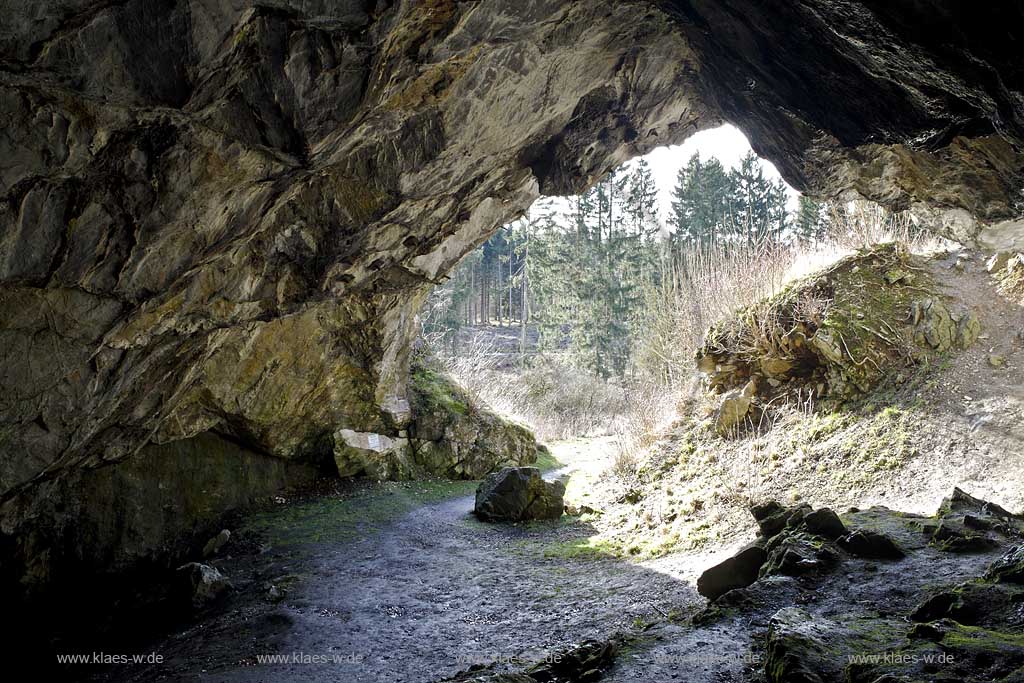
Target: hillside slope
{"x": 947, "y": 418}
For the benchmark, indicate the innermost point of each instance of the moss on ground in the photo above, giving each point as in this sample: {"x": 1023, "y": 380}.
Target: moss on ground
{"x": 589, "y": 548}
{"x": 337, "y": 518}
{"x": 977, "y": 639}
{"x": 435, "y": 391}
{"x": 547, "y": 461}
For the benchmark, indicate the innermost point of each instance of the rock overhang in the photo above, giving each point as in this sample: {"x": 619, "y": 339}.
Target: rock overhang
{"x": 222, "y": 217}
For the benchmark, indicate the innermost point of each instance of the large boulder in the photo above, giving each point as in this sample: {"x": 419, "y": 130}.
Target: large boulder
{"x": 734, "y": 407}
{"x": 833, "y": 335}
{"x": 825, "y": 523}
{"x": 1009, "y": 567}
{"x": 738, "y": 571}
{"x": 771, "y": 517}
{"x": 376, "y": 455}
{"x": 943, "y": 327}
{"x": 516, "y": 494}
{"x": 449, "y": 435}
{"x": 796, "y": 553}
{"x": 797, "y": 646}
{"x": 452, "y": 435}
{"x": 871, "y": 544}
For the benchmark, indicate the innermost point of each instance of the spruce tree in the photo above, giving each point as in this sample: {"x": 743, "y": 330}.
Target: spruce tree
{"x": 810, "y": 223}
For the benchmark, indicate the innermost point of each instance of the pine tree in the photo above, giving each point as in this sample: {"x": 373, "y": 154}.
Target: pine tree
{"x": 810, "y": 222}
{"x": 584, "y": 277}
{"x": 751, "y": 202}
{"x": 703, "y": 203}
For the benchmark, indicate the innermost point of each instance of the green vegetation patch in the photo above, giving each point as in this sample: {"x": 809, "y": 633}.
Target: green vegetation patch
{"x": 352, "y": 515}
{"x": 978, "y": 639}
{"x": 589, "y": 548}
{"x": 433, "y": 390}
{"x": 547, "y": 461}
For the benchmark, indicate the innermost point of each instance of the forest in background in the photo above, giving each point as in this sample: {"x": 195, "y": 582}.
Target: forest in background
{"x": 586, "y": 277}
{"x": 584, "y": 316}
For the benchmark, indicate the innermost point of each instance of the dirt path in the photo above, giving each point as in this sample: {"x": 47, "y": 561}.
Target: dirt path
{"x": 419, "y": 599}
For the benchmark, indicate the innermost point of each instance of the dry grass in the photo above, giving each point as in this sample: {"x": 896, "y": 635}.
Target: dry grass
{"x": 1011, "y": 281}
{"x": 708, "y": 285}
{"x": 553, "y": 398}
{"x": 702, "y": 287}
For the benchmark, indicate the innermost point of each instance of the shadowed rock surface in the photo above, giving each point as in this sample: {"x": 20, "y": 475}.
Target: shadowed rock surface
{"x": 825, "y": 611}
{"x": 518, "y": 494}
{"x": 218, "y": 219}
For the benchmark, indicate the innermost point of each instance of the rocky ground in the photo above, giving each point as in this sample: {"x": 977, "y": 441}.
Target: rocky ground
{"x": 413, "y": 588}
{"x": 401, "y": 583}
{"x": 890, "y": 597}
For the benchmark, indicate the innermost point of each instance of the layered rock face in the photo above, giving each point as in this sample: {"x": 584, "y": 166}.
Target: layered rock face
{"x": 916, "y": 105}
{"x": 218, "y": 218}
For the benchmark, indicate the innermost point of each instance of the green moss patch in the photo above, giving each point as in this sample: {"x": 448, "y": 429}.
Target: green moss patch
{"x": 547, "y": 461}
{"x": 436, "y": 391}
{"x": 585, "y": 549}
{"x": 351, "y": 515}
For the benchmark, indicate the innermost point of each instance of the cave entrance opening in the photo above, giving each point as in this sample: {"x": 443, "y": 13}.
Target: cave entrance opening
{"x": 570, "y": 318}
{"x": 582, "y": 318}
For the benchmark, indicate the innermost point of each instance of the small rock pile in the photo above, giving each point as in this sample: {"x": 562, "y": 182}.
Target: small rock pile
{"x": 793, "y": 541}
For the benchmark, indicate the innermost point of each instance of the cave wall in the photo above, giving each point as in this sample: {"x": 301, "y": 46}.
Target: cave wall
{"x": 915, "y": 104}
{"x": 220, "y": 217}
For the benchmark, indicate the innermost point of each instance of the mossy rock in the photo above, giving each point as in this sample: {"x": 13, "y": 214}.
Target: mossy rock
{"x": 450, "y": 435}
{"x": 835, "y": 335}
{"x": 804, "y": 648}
{"x": 431, "y": 390}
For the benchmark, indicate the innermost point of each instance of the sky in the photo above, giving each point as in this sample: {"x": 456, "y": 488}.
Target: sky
{"x": 726, "y": 143}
